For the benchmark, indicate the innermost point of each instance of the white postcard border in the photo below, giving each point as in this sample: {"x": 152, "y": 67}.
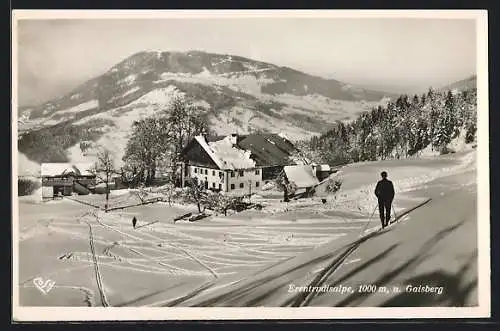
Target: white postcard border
{"x": 247, "y": 313}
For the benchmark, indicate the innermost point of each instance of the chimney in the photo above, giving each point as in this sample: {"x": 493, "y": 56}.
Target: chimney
{"x": 204, "y": 135}
{"x": 233, "y": 138}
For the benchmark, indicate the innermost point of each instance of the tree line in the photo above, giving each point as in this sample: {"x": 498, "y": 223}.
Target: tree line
{"x": 400, "y": 129}
{"x": 50, "y": 144}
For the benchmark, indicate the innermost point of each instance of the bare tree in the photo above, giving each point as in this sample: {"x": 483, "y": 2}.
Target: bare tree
{"x": 147, "y": 147}
{"x": 103, "y": 170}
{"x": 168, "y": 190}
{"x": 141, "y": 193}
{"x": 196, "y": 193}
{"x": 186, "y": 120}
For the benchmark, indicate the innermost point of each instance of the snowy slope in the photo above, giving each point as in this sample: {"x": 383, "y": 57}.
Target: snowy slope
{"x": 26, "y": 167}
{"x": 250, "y": 258}
{"x": 115, "y": 137}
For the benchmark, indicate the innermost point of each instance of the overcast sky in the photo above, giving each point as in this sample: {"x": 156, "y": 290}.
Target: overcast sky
{"x": 390, "y": 54}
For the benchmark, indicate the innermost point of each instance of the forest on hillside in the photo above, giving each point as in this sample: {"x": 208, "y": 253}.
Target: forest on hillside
{"x": 402, "y": 128}
{"x": 50, "y": 144}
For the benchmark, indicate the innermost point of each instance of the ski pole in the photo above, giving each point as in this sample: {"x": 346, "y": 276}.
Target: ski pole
{"x": 373, "y": 212}
{"x": 370, "y": 219}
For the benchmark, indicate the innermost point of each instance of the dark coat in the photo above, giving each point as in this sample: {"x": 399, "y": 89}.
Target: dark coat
{"x": 384, "y": 190}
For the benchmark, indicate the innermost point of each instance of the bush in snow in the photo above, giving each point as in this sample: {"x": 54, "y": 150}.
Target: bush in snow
{"x": 470, "y": 134}
{"x": 288, "y": 187}
{"x": 446, "y": 150}
{"x": 221, "y": 203}
{"x": 268, "y": 186}
{"x": 333, "y": 185}
{"x": 26, "y": 186}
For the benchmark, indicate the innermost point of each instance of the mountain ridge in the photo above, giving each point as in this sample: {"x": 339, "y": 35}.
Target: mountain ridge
{"x": 467, "y": 83}
{"x": 235, "y": 93}
{"x": 148, "y": 66}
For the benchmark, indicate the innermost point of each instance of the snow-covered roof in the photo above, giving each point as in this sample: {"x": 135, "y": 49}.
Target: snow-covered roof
{"x": 268, "y": 149}
{"x": 283, "y": 135}
{"x": 249, "y": 151}
{"x": 225, "y": 155}
{"x": 323, "y": 167}
{"x": 58, "y": 169}
{"x": 302, "y": 175}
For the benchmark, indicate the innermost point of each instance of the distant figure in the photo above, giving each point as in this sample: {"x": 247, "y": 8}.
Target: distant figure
{"x": 385, "y": 194}
{"x": 134, "y": 222}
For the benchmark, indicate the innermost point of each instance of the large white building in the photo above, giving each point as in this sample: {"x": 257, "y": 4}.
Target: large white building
{"x": 239, "y": 164}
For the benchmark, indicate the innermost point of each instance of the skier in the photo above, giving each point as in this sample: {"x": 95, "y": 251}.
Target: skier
{"x": 134, "y": 222}
{"x": 385, "y": 194}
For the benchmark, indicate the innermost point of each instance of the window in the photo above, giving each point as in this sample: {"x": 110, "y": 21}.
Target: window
{"x": 206, "y": 172}
{"x": 242, "y": 185}
{"x": 242, "y": 173}
{"x": 213, "y": 185}
{"x": 220, "y": 186}
{"x": 257, "y": 184}
{"x": 213, "y": 172}
{"x": 232, "y": 186}
{"x": 195, "y": 170}
{"x": 232, "y": 173}
{"x": 257, "y": 172}
{"x": 221, "y": 174}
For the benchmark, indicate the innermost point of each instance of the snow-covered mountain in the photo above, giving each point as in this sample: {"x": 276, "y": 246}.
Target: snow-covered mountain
{"x": 238, "y": 94}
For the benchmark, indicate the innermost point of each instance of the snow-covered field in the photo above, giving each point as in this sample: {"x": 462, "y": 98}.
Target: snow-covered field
{"x": 238, "y": 118}
{"x": 98, "y": 258}
{"x": 81, "y": 107}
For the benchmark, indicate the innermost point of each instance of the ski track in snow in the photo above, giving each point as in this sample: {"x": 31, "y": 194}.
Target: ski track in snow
{"x": 158, "y": 249}
{"x": 219, "y": 247}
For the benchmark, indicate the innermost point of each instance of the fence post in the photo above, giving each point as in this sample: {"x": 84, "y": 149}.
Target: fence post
{"x": 249, "y": 191}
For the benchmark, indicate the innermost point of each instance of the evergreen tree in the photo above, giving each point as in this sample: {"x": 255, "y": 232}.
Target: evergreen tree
{"x": 470, "y": 113}
{"x": 400, "y": 129}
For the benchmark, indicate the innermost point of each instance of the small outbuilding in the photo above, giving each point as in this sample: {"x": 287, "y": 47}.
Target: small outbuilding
{"x": 302, "y": 175}
{"x": 59, "y": 179}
